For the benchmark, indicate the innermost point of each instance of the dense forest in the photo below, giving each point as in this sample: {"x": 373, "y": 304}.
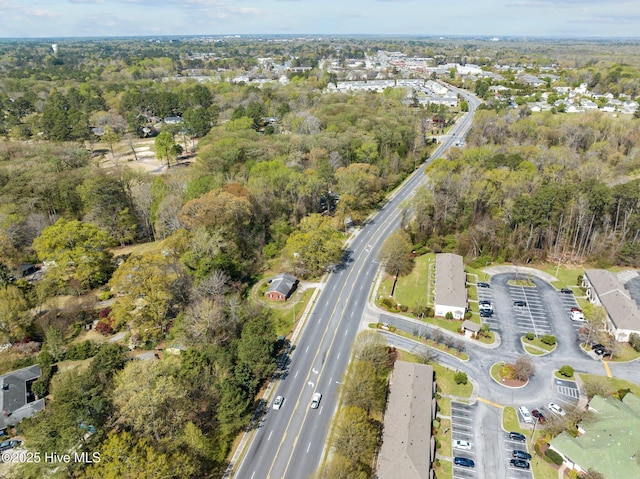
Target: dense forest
{"x": 273, "y": 175}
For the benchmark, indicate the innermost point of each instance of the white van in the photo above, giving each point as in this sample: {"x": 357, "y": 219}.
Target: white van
{"x": 526, "y": 415}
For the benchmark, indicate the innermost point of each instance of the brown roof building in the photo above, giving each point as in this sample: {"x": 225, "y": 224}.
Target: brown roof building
{"x": 407, "y": 446}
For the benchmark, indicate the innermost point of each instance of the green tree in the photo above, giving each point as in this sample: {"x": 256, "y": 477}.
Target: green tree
{"x": 14, "y": 314}
{"x": 566, "y": 371}
{"x": 314, "y": 247}
{"x": 256, "y": 349}
{"x": 166, "y": 147}
{"x": 364, "y": 387}
{"x": 77, "y": 250}
{"x": 111, "y": 137}
{"x": 396, "y": 255}
{"x": 356, "y": 437}
{"x": 147, "y": 286}
{"x": 460, "y": 377}
{"x": 150, "y": 399}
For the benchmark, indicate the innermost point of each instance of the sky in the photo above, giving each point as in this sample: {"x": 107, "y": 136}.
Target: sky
{"x": 546, "y": 18}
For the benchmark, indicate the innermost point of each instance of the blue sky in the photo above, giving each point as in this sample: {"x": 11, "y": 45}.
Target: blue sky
{"x": 47, "y": 18}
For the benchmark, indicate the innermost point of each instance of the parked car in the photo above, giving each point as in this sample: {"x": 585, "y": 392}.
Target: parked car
{"x": 519, "y": 463}
{"x": 485, "y": 304}
{"x": 518, "y": 454}
{"x": 277, "y": 404}
{"x": 486, "y": 313}
{"x": 463, "y": 461}
{"x": 315, "y": 401}
{"x": 538, "y": 415}
{"x": 516, "y": 436}
{"x": 526, "y": 415}
{"x": 520, "y": 304}
{"x": 577, "y": 316}
{"x": 482, "y": 284}
{"x": 4, "y": 445}
{"x": 554, "y": 408}
{"x": 601, "y": 351}
{"x": 566, "y": 291}
{"x": 460, "y": 444}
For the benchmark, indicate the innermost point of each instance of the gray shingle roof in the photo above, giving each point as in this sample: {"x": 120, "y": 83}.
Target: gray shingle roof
{"x": 615, "y": 298}
{"x": 450, "y": 280}
{"x": 16, "y": 401}
{"x": 406, "y": 443}
{"x": 282, "y": 283}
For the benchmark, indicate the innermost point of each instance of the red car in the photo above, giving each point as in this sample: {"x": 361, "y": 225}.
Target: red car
{"x": 538, "y": 415}
{"x": 576, "y": 309}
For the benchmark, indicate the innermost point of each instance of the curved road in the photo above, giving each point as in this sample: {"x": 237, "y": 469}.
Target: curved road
{"x": 289, "y": 443}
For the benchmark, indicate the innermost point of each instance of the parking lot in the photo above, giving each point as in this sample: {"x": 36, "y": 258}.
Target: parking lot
{"x": 462, "y": 429}
{"x": 531, "y": 318}
{"x": 511, "y": 445}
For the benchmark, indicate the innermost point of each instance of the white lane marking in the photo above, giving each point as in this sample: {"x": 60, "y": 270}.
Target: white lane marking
{"x": 315, "y": 371}
{"x": 310, "y": 384}
{"x": 338, "y": 356}
{"x": 306, "y": 350}
{"x": 254, "y": 473}
{"x": 345, "y": 333}
{"x": 270, "y": 435}
{"x": 321, "y": 410}
{"x": 308, "y": 447}
{"x": 296, "y": 375}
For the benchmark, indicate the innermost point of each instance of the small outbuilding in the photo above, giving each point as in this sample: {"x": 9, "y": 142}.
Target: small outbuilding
{"x": 281, "y": 287}
{"x": 470, "y": 328}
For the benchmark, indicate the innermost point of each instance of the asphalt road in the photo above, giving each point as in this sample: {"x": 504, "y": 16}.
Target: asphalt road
{"x": 289, "y": 443}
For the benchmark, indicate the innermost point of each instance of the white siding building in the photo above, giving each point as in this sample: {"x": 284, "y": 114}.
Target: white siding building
{"x": 451, "y": 291}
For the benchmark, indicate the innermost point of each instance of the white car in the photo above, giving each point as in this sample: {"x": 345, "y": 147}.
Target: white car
{"x": 277, "y": 404}
{"x": 553, "y": 407}
{"x": 315, "y": 401}
{"x": 460, "y": 444}
{"x": 577, "y": 316}
{"x": 526, "y": 415}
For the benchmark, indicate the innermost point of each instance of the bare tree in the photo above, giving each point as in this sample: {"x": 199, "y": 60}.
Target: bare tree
{"x": 437, "y": 335}
{"x": 213, "y": 286}
{"x": 523, "y": 368}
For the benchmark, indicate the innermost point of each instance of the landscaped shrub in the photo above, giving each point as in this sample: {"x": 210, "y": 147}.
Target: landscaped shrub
{"x": 566, "y": 371}
{"x": 104, "y": 328}
{"x": 404, "y": 308}
{"x": 460, "y": 377}
{"x": 449, "y": 315}
{"x": 431, "y": 313}
{"x": 389, "y": 303}
{"x": 468, "y": 315}
{"x": 548, "y": 340}
{"x": 84, "y": 350}
{"x": 530, "y": 336}
{"x": 634, "y": 341}
{"x": 554, "y": 456}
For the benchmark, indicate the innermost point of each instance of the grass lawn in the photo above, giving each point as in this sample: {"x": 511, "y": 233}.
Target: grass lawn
{"x": 283, "y": 317}
{"x": 429, "y": 342}
{"x": 533, "y": 351}
{"x": 537, "y": 343}
{"x": 567, "y": 275}
{"x": 444, "y": 437}
{"x": 626, "y": 353}
{"x": 510, "y": 421}
{"x": 411, "y": 289}
{"x": 541, "y": 468}
{"x": 614, "y": 383}
{"x": 444, "y": 378}
{"x": 136, "y": 248}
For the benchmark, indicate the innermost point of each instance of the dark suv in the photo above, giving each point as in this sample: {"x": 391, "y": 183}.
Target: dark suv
{"x": 516, "y": 436}
{"x": 521, "y": 455}
{"x": 566, "y": 291}
{"x": 463, "y": 461}
{"x": 519, "y": 463}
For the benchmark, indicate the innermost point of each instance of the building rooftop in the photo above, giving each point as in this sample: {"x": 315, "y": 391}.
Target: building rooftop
{"x": 450, "y": 280}
{"x": 406, "y": 443}
{"x": 615, "y": 298}
{"x": 16, "y": 399}
{"x": 611, "y": 440}
{"x": 282, "y": 283}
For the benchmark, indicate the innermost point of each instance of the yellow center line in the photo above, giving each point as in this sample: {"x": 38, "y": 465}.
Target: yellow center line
{"x": 606, "y": 368}
{"x": 491, "y": 403}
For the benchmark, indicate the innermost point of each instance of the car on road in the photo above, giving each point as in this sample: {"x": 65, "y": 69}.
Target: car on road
{"x": 482, "y": 284}
{"x": 520, "y": 304}
{"x": 538, "y": 415}
{"x": 554, "y": 408}
{"x": 518, "y": 454}
{"x": 277, "y": 404}
{"x": 315, "y": 401}
{"x": 566, "y": 291}
{"x": 460, "y": 444}
{"x": 463, "y": 461}
{"x": 516, "y": 436}
{"x": 519, "y": 463}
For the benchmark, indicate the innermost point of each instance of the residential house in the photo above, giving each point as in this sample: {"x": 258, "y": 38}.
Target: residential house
{"x": 408, "y": 449}
{"x": 606, "y": 289}
{"x": 281, "y": 287}
{"x": 451, "y": 291}
{"x": 17, "y": 400}
{"x": 608, "y": 442}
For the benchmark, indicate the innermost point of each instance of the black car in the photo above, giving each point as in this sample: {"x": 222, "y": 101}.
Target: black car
{"x": 463, "y": 461}
{"x": 520, "y": 304}
{"x": 566, "y": 291}
{"x": 519, "y": 463}
{"x": 482, "y": 284}
{"x": 486, "y": 313}
{"x": 516, "y": 436}
{"x": 521, "y": 455}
